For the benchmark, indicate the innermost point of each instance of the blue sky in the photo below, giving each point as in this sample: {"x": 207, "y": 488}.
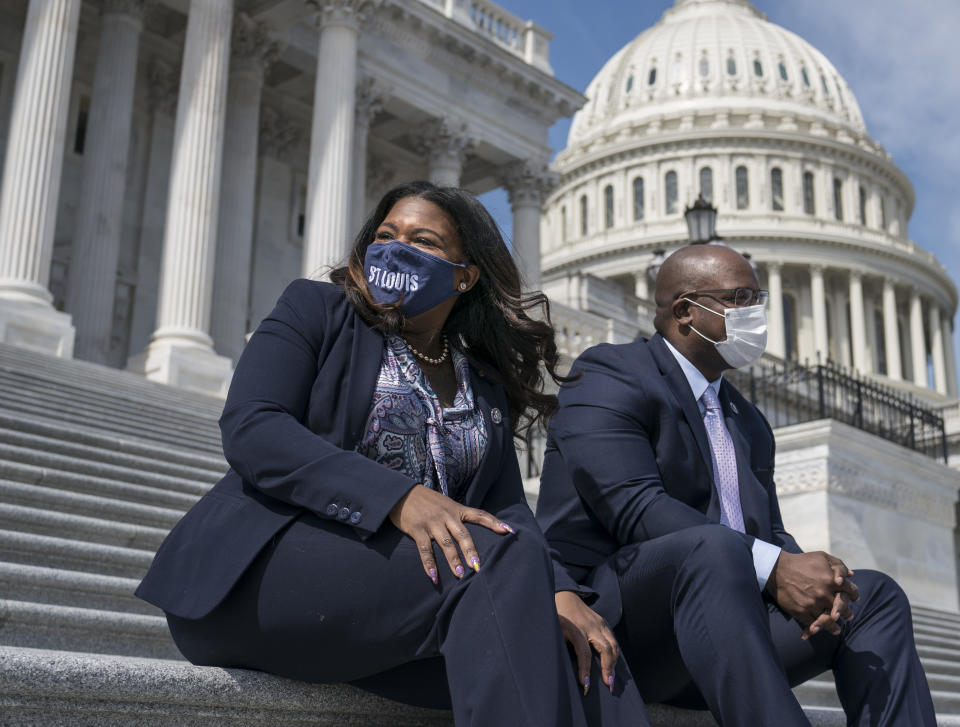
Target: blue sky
{"x": 899, "y": 58}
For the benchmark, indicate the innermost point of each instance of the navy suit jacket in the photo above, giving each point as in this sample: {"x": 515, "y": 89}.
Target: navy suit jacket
{"x": 628, "y": 460}
{"x": 297, "y": 406}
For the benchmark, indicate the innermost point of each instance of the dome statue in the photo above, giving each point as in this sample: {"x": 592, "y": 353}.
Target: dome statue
{"x": 715, "y": 100}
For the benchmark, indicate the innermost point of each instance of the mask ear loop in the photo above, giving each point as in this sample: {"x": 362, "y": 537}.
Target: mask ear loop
{"x": 693, "y": 302}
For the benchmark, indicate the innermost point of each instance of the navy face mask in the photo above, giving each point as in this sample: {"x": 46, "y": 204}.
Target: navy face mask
{"x": 416, "y": 280}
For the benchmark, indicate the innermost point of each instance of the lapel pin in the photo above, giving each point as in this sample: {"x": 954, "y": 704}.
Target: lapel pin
{"x": 496, "y": 415}
{"x": 733, "y": 408}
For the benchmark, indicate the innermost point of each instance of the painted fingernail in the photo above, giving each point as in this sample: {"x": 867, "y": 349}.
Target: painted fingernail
{"x": 586, "y": 685}
{"x": 611, "y": 682}
{"x": 507, "y": 527}
{"x": 433, "y": 575}
{"x": 475, "y": 563}
{"x": 459, "y": 571}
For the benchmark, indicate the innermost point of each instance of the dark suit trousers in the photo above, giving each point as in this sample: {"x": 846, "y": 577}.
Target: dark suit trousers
{"x": 697, "y": 633}
{"x": 320, "y": 605}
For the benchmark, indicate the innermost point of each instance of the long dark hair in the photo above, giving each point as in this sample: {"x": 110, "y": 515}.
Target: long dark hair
{"x": 491, "y": 322}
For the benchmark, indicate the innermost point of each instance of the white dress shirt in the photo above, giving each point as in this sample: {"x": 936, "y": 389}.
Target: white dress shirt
{"x": 764, "y": 554}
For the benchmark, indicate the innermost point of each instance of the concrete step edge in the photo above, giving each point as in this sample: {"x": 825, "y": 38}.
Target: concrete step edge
{"x": 104, "y": 508}
{"x": 65, "y": 618}
{"x": 22, "y": 545}
{"x": 56, "y": 578}
{"x": 96, "y": 530}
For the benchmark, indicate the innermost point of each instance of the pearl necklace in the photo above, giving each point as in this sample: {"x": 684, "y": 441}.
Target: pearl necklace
{"x": 428, "y": 359}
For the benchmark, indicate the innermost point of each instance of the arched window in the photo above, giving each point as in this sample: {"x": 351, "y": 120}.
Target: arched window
{"x": 731, "y": 66}
{"x": 823, "y": 84}
{"x": 629, "y": 83}
{"x": 563, "y": 224}
{"x": 790, "y": 327}
{"x": 863, "y": 205}
{"x": 583, "y": 215}
{"x": 805, "y": 76}
{"x": 652, "y": 77}
{"x": 706, "y": 183}
{"x": 608, "y": 206}
{"x": 670, "y": 184}
{"x": 757, "y": 68}
{"x": 883, "y": 212}
{"x": 704, "y": 67}
{"x": 776, "y": 189}
{"x": 638, "y": 199}
{"x": 743, "y": 192}
{"x": 808, "y": 202}
{"x": 783, "y": 72}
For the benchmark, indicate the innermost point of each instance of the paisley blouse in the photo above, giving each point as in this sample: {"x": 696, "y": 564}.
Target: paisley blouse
{"x": 409, "y": 431}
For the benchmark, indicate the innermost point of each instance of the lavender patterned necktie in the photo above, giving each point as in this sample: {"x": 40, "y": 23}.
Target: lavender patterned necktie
{"x": 724, "y": 461}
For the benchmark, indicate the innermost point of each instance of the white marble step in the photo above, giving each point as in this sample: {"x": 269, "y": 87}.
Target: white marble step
{"x": 79, "y": 527}
{"x": 65, "y": 502}
{"x": 50, "y": 551}
{"x": 59, "y": 587}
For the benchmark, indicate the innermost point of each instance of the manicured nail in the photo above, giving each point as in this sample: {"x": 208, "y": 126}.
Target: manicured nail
{"x": 507, "y": 527}
{"x": 433, "y": 575}
{"x": 475, "y": 563}
{"x": 611, "y": 682}
{"x": 459, "y": 571}
{"x": 586, "y": 685}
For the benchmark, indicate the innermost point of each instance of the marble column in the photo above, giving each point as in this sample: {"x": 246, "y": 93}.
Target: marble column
{"x": 162, "y": 99}
{"x": 918, "y": 342}
{"x": 370, "y": 96}
{"x": 858, "y": 335}
{"x": 891, "y": 331}
{"x": 951, "y": 362}
{"x": 445, "y": 142}
{"x": 91, "y": 286}
{"x": 526, "y": 183}
{"x": 329, "y": 187}
{"x": 253, "y": 51}
{"x": 937, "y": 350}
{"x": 776, "y": 340}
{"x": 30, "y": 187}
{"x": 181, "y": 350}
{"x": 641, "y": 285}
{"x": 818, "y": 301}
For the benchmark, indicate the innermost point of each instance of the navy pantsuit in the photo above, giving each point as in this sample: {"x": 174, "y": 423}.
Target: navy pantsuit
{"x": 290, "y": 565}
{"x": 629, "y": 505}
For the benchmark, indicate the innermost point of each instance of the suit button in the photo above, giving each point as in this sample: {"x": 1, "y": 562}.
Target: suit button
{"x": 356, "y": 517}
{"x": 332, "y": 509}
{"x": 344, "y": 513}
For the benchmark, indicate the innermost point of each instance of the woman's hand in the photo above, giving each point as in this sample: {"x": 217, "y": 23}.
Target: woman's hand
{"x": 426, "y": 515}
{"x": 584, "y": 628}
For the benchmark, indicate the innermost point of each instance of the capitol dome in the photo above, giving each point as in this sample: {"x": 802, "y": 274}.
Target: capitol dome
{"x": 715, "y": 100}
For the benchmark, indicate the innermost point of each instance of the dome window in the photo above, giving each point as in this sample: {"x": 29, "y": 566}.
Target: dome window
{"x": 838, "y": 199}
{"x": 563, "y": 224}
{"x": 805, "y": 76}
{"x": 883, "y": 212}
{"x": 823, "y": 83}
{"x": 608, "y": 206}
{"x": 863, "y": 206}
{"x": 629, "y": 83}
{"x": 706, "y": 184}
{"x": 652, "y": 77}
{"x": 808, "y": 201}
{"x": 704, "y": 67}
{"x": 638, "y": 199}
{"x": 783, "y": 72}
{"x": 743, "y": 190}
{"x": 731, "y": 66}
{"x": 776, "y": 189}
{"x": 670, "y": 183}
{"x": 757, "y": 68}
{"x": 583, "y": 215}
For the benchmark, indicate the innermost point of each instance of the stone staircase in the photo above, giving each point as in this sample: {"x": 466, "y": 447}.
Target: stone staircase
{"x": 96, "y": 465}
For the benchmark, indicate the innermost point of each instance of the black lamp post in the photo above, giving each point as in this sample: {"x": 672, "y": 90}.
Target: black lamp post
{"x": 701, "y": 221}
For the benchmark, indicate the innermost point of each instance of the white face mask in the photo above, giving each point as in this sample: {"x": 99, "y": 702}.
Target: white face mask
{"x": 746, "y": 333}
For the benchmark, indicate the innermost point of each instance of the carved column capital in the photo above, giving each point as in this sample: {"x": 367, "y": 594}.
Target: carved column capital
{"x": 351, "y": 13}
{"x": 527, "y": 182}
{"x": 280, "y": 136}
{"x": 371, "y": 93}
{"x": 444, "y": 140}
{"x": 164, "y": 86}
{"x": 253, "y": 46}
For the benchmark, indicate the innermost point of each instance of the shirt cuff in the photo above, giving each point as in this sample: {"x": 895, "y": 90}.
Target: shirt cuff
{"x": 764, "y": 558}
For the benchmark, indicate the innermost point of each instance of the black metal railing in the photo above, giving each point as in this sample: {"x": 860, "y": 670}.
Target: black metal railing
{"x": 791, "y": 394}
